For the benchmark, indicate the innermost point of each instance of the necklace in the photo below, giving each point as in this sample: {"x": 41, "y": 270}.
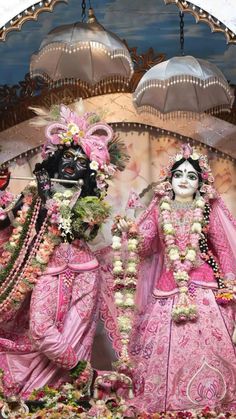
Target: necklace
{"x": 182, "y": 261}
{"x": 178, "y": 205}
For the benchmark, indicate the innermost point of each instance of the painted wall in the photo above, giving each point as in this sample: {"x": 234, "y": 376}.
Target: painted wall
{"x": 141, "y": 23}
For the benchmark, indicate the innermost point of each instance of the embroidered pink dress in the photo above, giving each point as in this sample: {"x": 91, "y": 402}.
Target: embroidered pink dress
{"x": 187, "y": 365}
{"x": 55, "y": 326}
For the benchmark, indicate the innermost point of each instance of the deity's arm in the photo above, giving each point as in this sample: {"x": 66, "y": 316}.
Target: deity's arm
{"x": 46, "y": 301}
{"x": 221, "y": 241}
{"x": 148, "y": 229}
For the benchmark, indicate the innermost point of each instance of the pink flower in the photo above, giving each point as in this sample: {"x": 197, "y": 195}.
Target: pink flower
{"x": 187, "y": 151}
{"x": 204, "y": 175}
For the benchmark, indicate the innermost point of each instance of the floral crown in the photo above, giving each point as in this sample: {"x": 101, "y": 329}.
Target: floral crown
{"x": 186, "y": 152}
{"x": 67, "y": 128}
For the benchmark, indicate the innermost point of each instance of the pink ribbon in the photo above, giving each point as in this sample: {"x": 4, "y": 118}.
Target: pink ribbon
{"x": 94, "y": 145}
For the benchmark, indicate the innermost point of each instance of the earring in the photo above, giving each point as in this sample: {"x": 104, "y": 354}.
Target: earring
{"x": 171, "y": 194}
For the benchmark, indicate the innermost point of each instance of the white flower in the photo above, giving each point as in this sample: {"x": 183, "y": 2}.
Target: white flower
{"x": 178, "y": 157}
{"x": 195, "y": 156}
{"x": 200, "y": 203}
{"x": 133, "y": 241}
{"x": 93, "y": 165}
{"x": 116, "y": 245}
{"x": 67, "y": 194}
{"x": 173, "y": 254}
{"x": 131, "y": 269}
{"x": 191, "y": 255}
{"x": 165, "y": 206}
{"x": 132, "y": 247}
{"x": 116, "y": 239}
{"x": 117, "y": 263}
{"x": 124, "y": 323}
{"x": 168, "y": 228}
{"x": 39, "y": 259}
{"x": 118, "y": 298}
{"x": 65, "y": 203}
{"x": 73, "y": 128}
{"x": 196, "y": 227}
{"x": 32, "y": 184}
{"x": 181, "y": 276}
{"x": 129, "y": 300}
{"x": 15, "y": 236}
{"x": 183, "y": 290}
{"x": 117, "y": 269}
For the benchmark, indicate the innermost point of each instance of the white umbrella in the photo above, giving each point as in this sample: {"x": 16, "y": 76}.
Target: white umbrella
{"x": 183, "y": 85}
{"x": 84, "y": 52}
{"x": 220, "y": 15}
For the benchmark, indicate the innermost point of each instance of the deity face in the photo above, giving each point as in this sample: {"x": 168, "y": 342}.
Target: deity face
{"x": 185, "y": 181}
{"x": 73, "y": 164}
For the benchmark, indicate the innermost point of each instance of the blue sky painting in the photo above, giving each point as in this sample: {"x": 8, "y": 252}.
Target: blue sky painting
{"x": 143, "y": 24}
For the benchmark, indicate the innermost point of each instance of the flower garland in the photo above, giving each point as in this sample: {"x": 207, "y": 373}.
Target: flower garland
{"x": 61, "y": 211}
{"x": 90, "y": 213}
{"x": 77, "y": 217}
{"x": 25, "y": 257}
{"x": 182, "y": 262}
{"x": 125, "y": 281}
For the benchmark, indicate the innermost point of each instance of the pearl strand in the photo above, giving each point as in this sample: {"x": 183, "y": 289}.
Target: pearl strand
{"x": 20, "y": 259}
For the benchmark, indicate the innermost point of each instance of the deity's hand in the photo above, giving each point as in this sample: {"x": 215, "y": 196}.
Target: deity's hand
{"x": 4, "y": 179}
{"x": 123, "y": 225}
{"x": 43, "y": 181}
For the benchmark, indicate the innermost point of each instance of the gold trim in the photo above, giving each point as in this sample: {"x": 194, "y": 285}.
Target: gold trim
{"x": 28, "y": 14}
{"x": 203, "y": 16}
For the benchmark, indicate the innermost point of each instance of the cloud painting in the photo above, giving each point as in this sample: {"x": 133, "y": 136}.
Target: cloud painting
{"x": 143, "y": 24}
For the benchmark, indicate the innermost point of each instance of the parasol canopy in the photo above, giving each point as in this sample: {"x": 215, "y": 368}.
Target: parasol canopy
{"x": 82, "y": 52}
{"x": 183, "y": 85}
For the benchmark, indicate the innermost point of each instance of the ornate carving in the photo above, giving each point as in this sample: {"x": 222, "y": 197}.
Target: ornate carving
{"x": 28, "y": 14}
{"x": 203, "y": 16}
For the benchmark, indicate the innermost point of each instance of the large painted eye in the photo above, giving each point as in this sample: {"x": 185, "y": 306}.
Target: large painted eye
{"x": 192, "y": 176}
{"x": 68, "y": 155}
{"x": 178, "y": 174}
{"x": 81, "y": 162}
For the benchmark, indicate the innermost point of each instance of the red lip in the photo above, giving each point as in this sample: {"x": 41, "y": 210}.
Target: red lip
{"x": 69, "y": 170}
